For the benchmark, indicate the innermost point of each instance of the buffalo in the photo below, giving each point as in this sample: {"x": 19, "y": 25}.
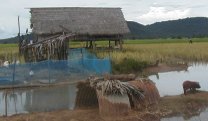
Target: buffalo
{"x": 190, "y": 85}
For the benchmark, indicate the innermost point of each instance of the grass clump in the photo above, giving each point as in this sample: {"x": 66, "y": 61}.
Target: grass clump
{"x": 128, "y": 66}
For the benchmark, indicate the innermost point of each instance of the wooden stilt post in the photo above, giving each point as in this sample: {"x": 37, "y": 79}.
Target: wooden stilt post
{"x": 87, "y": 44}
{"x": 109, "y": 44}
{"x": 49, "y": 75}
{"x": 94, "y": 44}
{"x": 120, "y": 44}
{"x": 67, "y": 49}
{"x": 116, "y": 42}
{"x": 91, "y": 46}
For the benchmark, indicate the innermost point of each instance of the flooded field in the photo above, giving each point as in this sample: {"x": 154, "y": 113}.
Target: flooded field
{"x": 170, "y": 83}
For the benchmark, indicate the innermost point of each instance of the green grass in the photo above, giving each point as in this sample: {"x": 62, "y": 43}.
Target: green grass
{"x": 159, "y": 41}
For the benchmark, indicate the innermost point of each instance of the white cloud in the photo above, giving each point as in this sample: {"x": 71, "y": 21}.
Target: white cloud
{"x": 162, "y": 14}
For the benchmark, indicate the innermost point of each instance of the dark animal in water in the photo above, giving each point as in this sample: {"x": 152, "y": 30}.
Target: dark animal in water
{"x": 190, "y": 85}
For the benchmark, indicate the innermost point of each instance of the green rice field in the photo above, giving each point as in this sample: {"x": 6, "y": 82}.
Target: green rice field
{"x": 146, "y": 51}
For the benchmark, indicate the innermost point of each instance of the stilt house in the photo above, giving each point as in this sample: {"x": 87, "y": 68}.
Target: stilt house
{"x": 55, "y": 27}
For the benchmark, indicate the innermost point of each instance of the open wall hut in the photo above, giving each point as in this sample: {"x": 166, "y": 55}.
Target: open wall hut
{"x": 117, "y": 97}
{"x": 74, "y": 23}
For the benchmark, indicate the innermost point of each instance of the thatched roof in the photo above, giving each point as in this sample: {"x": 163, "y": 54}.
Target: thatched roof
{"x": 82, "y": 21}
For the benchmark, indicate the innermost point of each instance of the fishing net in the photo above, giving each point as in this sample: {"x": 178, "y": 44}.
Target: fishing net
{"x": 79, "y": 65}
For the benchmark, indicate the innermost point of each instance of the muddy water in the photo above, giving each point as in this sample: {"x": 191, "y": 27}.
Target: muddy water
{"x": 201, "y": 117}
{"x": 170, "y": 83}
{"x": 37, "y": 100}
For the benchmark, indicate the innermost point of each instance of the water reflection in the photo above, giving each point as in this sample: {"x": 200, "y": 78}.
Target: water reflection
{"x": 201, "y": 117}
{"x": 35, "y": 100}
{"x": 170, "y": 83}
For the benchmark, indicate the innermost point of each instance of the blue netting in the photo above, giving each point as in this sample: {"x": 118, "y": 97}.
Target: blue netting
{"x": 80, "y": 65}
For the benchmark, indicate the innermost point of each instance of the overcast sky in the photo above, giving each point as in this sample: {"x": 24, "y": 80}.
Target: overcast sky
{"x": 142, "y": 11}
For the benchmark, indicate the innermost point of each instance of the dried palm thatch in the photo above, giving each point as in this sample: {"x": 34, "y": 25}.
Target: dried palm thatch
{"x": 116, "y": 87}
{"x": 150, "y": 92}
{"x": 54, "y": 48}
{"x": 79, "y": 20}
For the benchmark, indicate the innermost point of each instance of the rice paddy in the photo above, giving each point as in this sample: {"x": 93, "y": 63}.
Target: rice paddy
{"x": 148, "y": 51}
{"x": 167, "y": 53}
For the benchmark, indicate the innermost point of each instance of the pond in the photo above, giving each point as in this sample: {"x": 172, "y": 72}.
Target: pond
{"x": 170, "y": 83}
{"x": 37, "y": 100}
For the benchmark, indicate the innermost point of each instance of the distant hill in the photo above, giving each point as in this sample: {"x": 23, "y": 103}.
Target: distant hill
{"x": 9, "y": 40}
{"x": 14, "y": 39}
{"x": 189, "y": 27}
{"x": 138, "y": 30}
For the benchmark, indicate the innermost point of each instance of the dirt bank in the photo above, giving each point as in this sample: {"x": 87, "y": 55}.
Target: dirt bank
{"x": 151, "y": 70}
{"x": 189, "y": 105}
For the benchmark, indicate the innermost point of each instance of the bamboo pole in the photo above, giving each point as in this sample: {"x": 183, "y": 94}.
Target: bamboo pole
{"x": 6, "y": 104}
{"x": 19, "y": 35}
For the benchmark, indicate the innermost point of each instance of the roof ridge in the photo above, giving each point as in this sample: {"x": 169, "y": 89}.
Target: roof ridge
{"x": 75, "y": 7}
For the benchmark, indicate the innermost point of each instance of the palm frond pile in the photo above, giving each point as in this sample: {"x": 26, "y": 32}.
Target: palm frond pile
{"x": 115, "y": 87}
